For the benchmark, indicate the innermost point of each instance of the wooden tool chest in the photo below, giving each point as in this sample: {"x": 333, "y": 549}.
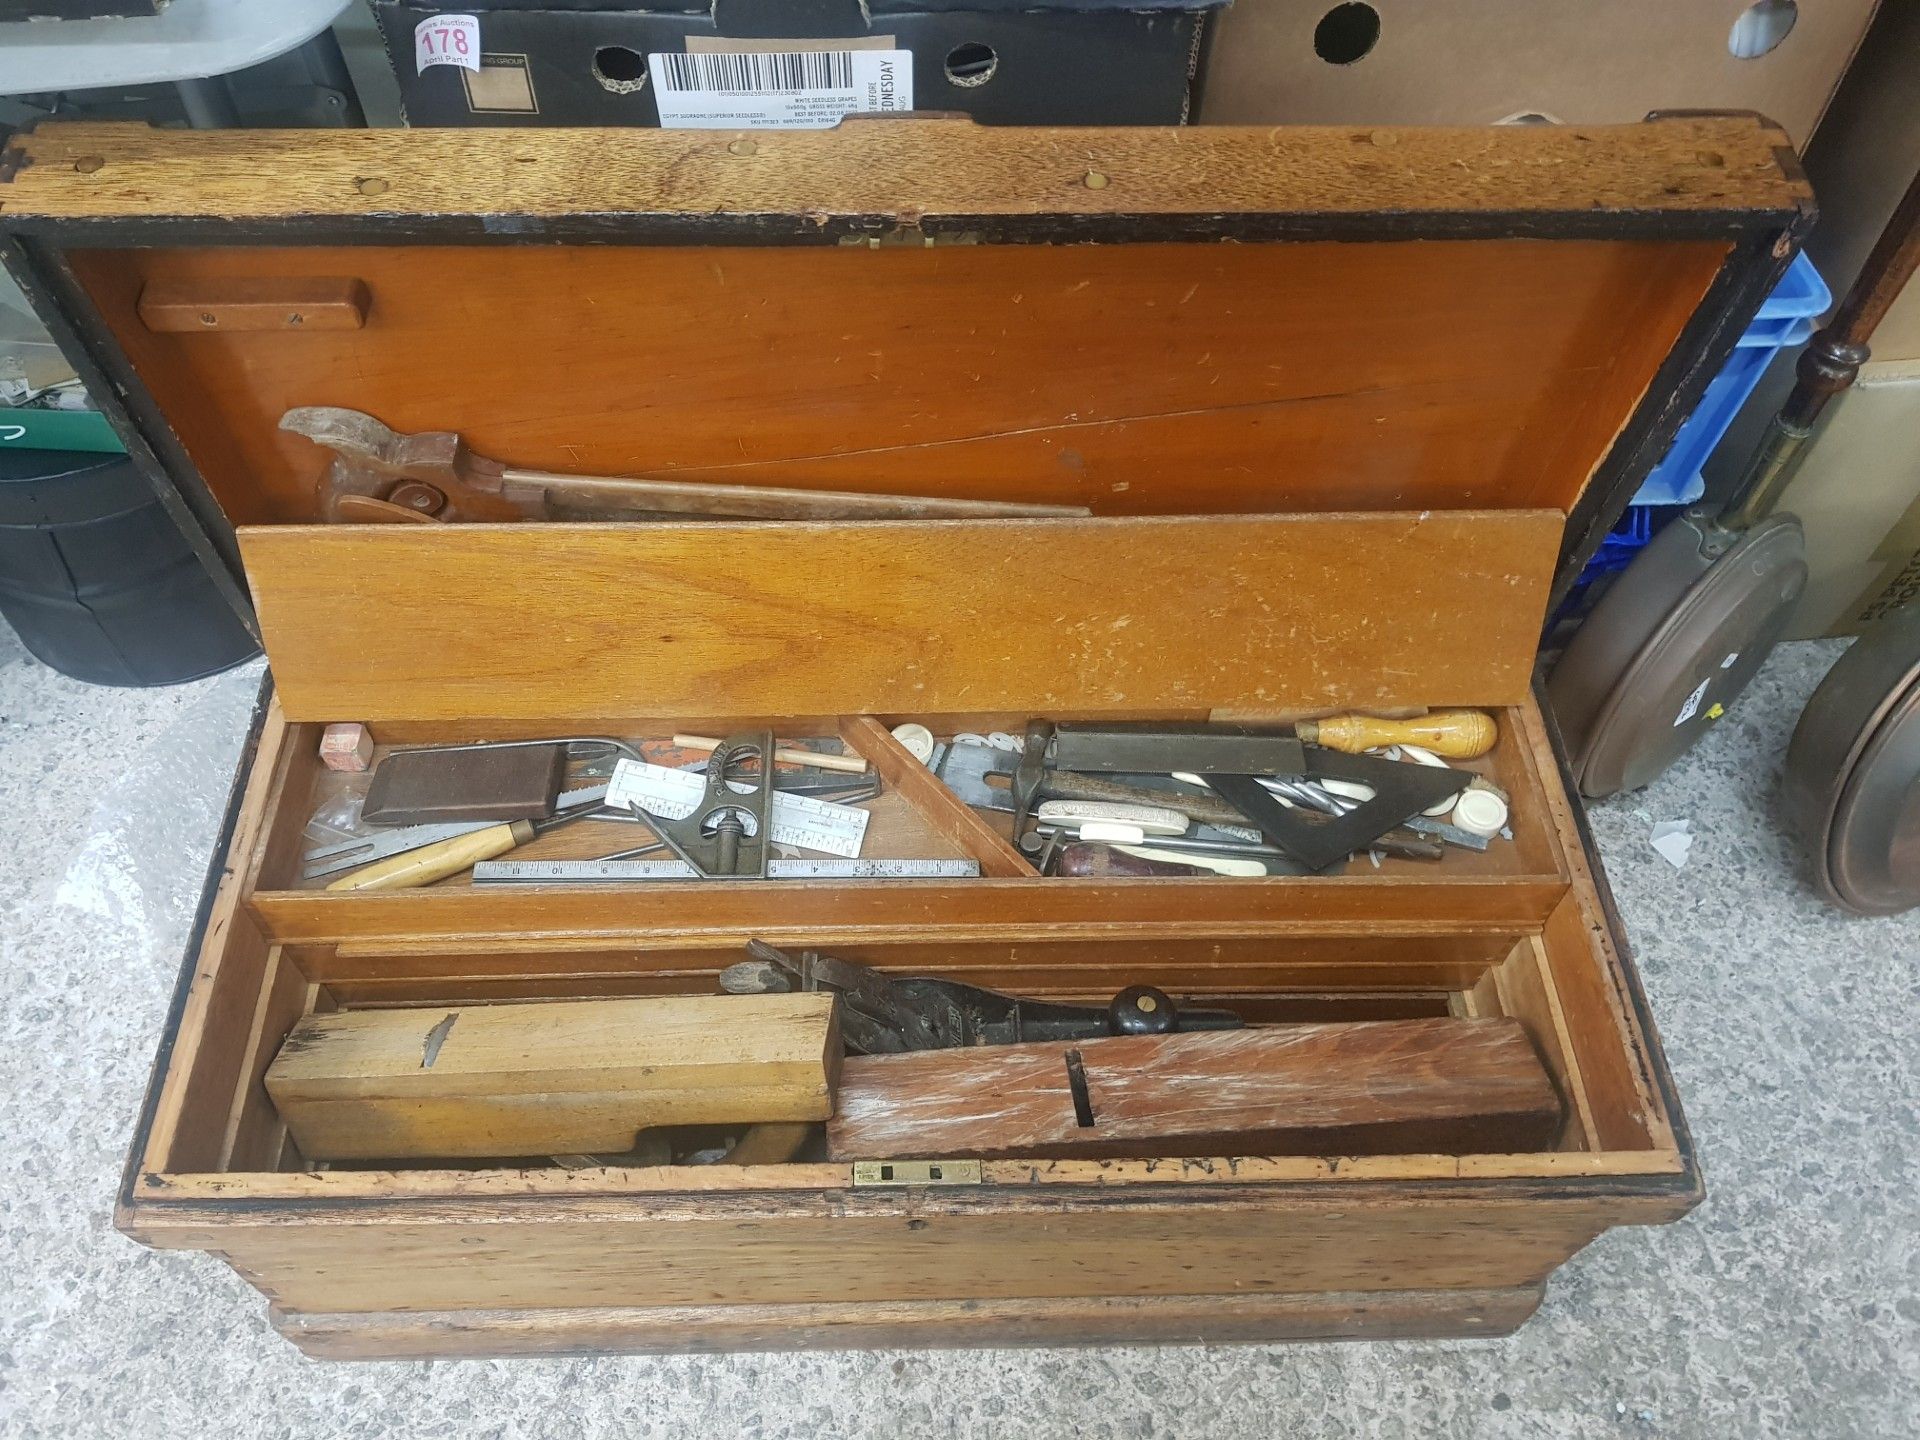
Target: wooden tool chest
{"x": 1348, "y": 408}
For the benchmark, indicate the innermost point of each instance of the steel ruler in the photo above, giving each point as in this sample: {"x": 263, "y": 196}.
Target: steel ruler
{"x": 617, "y": 872}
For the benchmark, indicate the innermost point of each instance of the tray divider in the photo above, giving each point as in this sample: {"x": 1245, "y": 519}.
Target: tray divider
{"x": 932, "y": 800}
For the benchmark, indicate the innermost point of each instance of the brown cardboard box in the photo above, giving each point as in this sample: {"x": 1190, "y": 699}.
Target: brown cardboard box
{"x": 1862, "y": 163}
{"x": 1859, "y": 491}
{"x": 1474, "y": 62}
{"x": 1858, "y": 495}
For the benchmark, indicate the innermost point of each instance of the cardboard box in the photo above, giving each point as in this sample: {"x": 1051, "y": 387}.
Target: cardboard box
{"x": 1858, "y": 494}
{"x": 1477, "y": 62}
{"x": 1858, "y": 489}
{"x": 1005, "y": 62}
{"x": 1862, "y": 163}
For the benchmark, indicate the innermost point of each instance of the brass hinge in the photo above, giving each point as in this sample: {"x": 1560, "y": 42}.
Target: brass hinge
{"x": 911, "y": 235}
{"x": 916, "y": 1172}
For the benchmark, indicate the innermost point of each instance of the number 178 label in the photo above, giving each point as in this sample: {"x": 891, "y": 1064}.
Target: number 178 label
{"x": 447, "y": 40}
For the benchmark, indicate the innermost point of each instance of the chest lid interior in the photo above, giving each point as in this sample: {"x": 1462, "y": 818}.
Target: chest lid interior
{"x": 1313, "y": 387}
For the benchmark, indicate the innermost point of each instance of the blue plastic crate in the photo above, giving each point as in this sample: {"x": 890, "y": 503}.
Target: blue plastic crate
{"x": 1627, "y": 539}
{"x": 1786, "y": 318}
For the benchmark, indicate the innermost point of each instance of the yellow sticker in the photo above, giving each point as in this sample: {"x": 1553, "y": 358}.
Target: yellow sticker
{"x": 1715, "y": 711}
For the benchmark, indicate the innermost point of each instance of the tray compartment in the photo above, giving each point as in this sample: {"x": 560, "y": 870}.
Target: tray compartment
{"x": 1512, "y": 885}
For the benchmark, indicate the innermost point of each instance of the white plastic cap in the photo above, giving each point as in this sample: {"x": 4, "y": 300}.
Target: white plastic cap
{"x": 917, "y": 739}
{"x": 1481, "y": 812}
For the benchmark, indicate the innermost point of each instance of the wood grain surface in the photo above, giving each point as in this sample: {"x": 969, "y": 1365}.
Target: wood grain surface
{"x": 834, "y": 913}
{"x": 1425, "y": 1086}
{"x": 1132, "y": 379}
{"x": 1305, "y": 613}
{"x": 246, "y": 302}
{"x": 843, "y": 1245}
{"x": 580, "y": 1076}
{"x": 921, "y": 169}
{"x": 697, "y": 1329}
{"x": 210, "y": 1058}
{"x": 937, "y": 806}
{"x": 202, "y": 1199}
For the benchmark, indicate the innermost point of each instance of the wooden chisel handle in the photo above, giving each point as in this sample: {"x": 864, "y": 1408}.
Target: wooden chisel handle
{"x": 436, "y": 862}
{"x": 1455, "y": 734}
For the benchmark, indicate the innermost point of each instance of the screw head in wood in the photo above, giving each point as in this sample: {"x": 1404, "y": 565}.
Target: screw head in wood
{"x": 417, "y": 495}
{"x": 743, "y": 148}
{"x": 1094, "y": 180}
{"x": 372, "y": 185}
{"x": 87, "y": 164}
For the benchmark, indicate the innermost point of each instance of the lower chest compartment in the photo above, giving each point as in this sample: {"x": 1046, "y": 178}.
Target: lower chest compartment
{"x": 1334, "y": 1234}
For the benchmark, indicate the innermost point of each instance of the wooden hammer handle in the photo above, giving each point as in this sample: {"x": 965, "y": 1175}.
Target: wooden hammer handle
{"x": 819, "y": 760}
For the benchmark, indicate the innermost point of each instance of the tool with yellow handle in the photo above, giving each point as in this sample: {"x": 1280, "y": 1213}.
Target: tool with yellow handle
{"x": 1454, "y": 734}
{"x": 439, "y": 860}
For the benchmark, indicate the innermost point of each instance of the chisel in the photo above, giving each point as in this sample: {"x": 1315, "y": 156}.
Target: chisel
{"x": 449, "y": 857}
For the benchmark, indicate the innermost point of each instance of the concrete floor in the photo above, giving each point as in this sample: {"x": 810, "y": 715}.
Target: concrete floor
{"x": 1788, "y": 1305}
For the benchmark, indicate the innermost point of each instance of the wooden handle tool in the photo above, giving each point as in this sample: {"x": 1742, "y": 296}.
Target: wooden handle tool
{"x": 1087, "y": 861}
{"x": 847, "y": 764}
{"x": 1455, "y": 734}
{"x": 434, "y": 862}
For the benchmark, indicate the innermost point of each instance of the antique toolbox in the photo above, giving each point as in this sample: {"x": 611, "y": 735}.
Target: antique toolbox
{"x": 1349, "y": 407}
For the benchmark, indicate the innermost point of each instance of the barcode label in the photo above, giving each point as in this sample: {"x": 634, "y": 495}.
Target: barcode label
{"x": 821, "y": 70}
{"x": 786, "y": 90}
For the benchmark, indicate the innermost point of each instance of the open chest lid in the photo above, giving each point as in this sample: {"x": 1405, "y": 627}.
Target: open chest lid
{"x": 1318, "y": 387}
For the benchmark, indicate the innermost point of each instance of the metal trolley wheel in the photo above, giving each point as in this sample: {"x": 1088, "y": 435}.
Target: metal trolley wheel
{"x": 1853, "y": 772}
{"x": 1667, "y": 649}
